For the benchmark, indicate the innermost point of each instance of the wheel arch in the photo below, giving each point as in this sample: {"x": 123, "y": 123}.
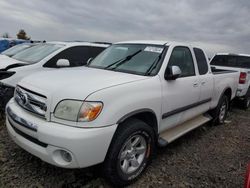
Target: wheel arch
{"x": 228, "y": 92}
{"x": 146, "y": 115}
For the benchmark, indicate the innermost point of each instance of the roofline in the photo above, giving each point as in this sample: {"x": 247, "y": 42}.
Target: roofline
{"x": 78, "y": 43}
{"x": 235, "y": 54}
{"x": 154, "y": 42}
{"x": 161, "y": 42}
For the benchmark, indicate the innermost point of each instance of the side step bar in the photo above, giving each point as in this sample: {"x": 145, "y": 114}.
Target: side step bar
{"x": 179, "y": 130}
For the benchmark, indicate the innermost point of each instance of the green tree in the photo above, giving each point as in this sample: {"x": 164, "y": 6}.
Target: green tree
{"x": 22, "y": 35}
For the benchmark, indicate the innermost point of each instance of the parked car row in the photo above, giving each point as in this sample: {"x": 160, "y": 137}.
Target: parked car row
{"x": 6, "y": 43}
{"x": 42, "y": 57}
{"x": 118, "y": 107}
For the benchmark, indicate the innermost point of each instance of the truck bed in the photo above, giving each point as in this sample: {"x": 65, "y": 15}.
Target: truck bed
{"x": 224, "y": 78}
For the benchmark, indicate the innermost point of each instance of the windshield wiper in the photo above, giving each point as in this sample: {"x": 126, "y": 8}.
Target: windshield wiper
{"x": 123, "y": 60}
{"x": 153, "y": 66}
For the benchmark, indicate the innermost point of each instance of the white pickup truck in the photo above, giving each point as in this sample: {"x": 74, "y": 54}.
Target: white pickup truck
{"x": 236, "y": 62}
{"x": 43, "y": 57}
{"x": 132, "y": 97}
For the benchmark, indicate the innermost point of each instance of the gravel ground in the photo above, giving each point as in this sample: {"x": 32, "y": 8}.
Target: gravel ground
{"x": 210, "y": 156}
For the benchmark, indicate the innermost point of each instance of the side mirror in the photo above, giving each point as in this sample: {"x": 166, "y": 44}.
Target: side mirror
{"x": 62, "y": 63}
{"x": 172, "y": 73}
{"x": 89, "y": 60}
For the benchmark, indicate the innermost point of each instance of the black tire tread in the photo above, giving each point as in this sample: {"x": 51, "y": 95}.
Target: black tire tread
{"x": 244, "y": 102}
{"x": 215, "y": 112}
{"x": 109, "y": 170}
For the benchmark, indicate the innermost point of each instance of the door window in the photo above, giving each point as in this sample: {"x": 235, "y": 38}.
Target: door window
{"x": 243, "y": 62}
{"x": 182, "y": 57}
{"x": 201, "y": 61}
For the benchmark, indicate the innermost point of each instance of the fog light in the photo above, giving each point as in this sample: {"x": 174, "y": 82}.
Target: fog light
{"x": 66, "y": 156}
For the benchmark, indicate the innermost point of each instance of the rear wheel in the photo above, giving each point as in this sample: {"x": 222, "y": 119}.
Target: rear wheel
{"x": 130, "y": 152}
{"x": 220, "y": 112}
{"x": 246, "y": 102}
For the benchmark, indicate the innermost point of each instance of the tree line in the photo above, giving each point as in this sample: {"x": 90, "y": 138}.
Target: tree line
{"x": 20, "y": 35}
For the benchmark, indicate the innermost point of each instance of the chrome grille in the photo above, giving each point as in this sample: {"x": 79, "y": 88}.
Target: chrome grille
{"x": 31, "y": 101}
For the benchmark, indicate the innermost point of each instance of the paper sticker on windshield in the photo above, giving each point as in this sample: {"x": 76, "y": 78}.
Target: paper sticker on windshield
{"x": 153, "y": 49}
{"x": 121, "y": 48}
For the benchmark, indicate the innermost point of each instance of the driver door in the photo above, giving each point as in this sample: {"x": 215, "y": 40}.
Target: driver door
{"x": 182, "y": 94}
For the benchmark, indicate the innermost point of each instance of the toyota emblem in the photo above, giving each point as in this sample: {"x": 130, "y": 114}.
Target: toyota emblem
{"x": 24, "y": 98}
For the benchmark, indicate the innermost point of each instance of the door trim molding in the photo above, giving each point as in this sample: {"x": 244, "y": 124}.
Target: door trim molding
{"x": 178, "y": 110}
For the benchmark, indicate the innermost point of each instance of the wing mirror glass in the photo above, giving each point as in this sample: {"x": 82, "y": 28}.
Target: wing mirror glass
{"x": 62, "y": 63}
{"x": 172, "y": 73}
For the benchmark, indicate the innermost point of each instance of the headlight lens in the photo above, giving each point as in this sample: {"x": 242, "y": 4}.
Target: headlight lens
{"x": 89, "y": 111}
{"x": 74, "y": 110}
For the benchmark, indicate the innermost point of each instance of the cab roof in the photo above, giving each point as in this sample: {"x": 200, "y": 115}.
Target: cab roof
{"x": 79, "y": 43}
{"x": 156, "y": 42}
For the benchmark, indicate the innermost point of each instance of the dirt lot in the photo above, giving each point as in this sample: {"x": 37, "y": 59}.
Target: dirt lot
{"x": 210, "y": 156}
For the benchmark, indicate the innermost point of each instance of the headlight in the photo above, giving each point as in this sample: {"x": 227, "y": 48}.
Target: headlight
{"x": 74, "y": 110}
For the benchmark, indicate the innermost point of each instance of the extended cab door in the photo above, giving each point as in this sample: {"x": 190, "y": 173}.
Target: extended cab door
{"x": 206, "y": 81}
{"x": 180, "y": 96}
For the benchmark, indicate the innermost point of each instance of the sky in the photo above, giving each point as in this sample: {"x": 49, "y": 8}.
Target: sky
{"x": 215, "y": 25}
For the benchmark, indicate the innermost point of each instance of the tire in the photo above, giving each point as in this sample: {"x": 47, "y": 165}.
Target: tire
{"x": 220, "y": 112}
{"x": 246, "y": 103}
{"x": 120, "y": 166}
{"x": 246, "y": 100}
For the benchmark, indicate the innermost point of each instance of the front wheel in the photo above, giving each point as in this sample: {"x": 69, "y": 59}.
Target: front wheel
{"x": 130, "y": 152}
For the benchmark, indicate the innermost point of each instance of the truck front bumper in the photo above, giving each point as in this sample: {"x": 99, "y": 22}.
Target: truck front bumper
{"x": 57, "y": 144}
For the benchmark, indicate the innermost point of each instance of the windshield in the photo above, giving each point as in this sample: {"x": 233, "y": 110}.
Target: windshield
{"x": 36, "y": 53}
{"x": 139, "y": 59}
{"x": 16, "y": 49}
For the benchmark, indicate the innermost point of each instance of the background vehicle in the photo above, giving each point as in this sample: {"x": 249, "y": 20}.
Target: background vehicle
{"x": 247, "y": 177}
{"x": 132, "y": 97}
{"x": 236, "y": 62}
{"x": 6, "y": 43}
{"x": 15, "y": 49}
{"x": 43, "y": 57}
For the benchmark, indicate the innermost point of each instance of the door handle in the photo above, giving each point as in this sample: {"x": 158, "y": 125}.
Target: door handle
{"x": 195, "y": 85}
{"x": 203, "y": 83}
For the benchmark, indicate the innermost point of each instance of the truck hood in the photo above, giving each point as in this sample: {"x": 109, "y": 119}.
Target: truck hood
{"x": 6, "y": 62}
{"x": 75, "y": 83}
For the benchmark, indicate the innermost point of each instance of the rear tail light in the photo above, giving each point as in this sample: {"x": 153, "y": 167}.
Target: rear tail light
{"x": 243, "y": 77}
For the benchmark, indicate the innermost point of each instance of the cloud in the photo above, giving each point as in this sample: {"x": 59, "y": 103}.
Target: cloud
{"x": 216, "y": 25}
